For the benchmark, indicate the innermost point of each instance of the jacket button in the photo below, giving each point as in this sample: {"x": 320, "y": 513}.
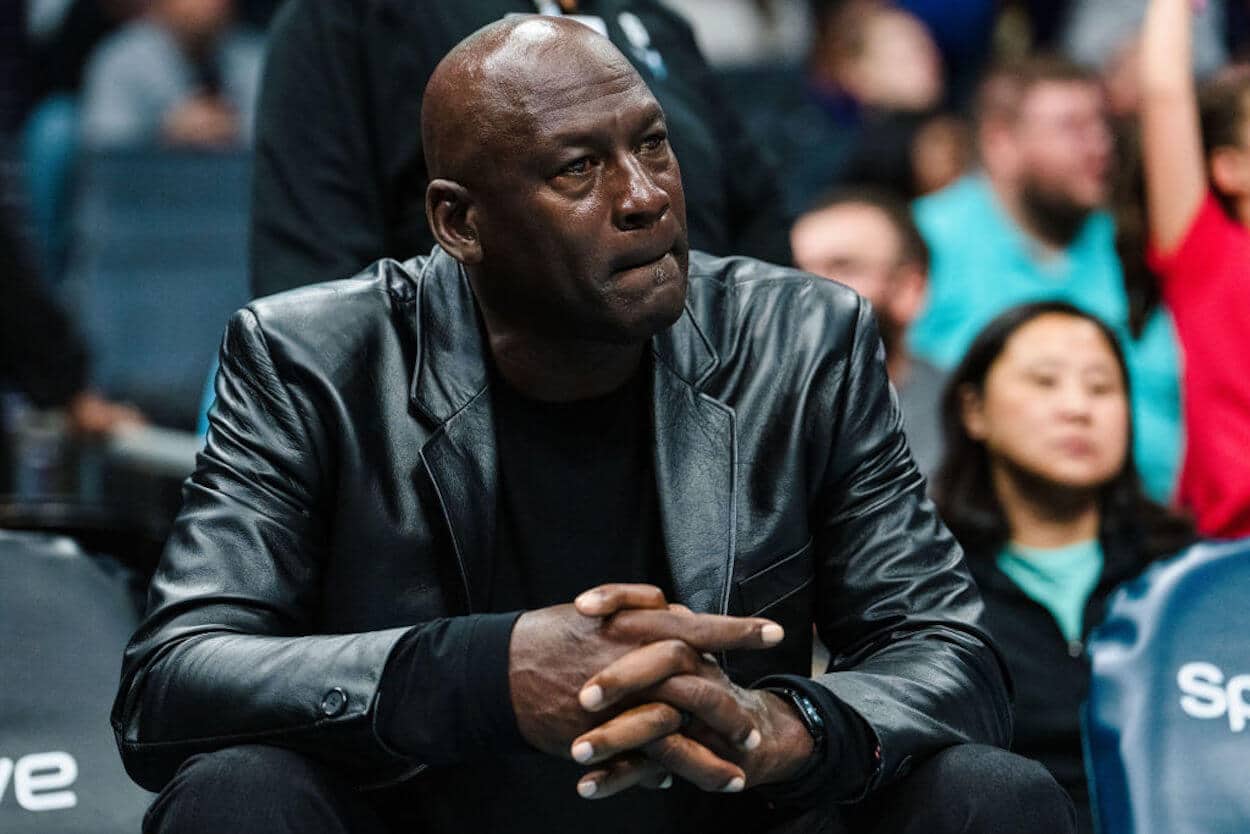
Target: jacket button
{"x": 1076, "y": 648}
{"x": 334, "y": 702}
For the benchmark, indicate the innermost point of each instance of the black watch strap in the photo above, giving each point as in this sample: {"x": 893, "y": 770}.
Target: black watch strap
{"x": 812, "y": 719}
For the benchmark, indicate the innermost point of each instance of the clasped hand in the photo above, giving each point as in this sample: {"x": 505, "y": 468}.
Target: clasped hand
{"x": 625, "y": 683}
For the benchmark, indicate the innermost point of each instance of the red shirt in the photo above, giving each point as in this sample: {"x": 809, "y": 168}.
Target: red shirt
{"x": 1206, "y": 283}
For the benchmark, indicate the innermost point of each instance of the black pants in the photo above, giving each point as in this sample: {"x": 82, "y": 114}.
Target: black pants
{"x": 967, "y": 789}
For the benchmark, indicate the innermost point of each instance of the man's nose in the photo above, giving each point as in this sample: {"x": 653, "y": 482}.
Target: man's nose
{"x": 640, "y": 202}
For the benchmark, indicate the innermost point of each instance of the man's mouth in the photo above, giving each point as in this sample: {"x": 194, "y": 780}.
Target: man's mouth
{"x": 642, "y": 259}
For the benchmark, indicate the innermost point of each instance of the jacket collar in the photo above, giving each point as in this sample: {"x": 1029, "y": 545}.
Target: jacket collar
{"x": 695, "y": 442}
{"x": 451, "y": 361}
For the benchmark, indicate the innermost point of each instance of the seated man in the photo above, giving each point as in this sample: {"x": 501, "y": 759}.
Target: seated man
{"x": 362, "y": 621}
{"x": 867, "y": 239}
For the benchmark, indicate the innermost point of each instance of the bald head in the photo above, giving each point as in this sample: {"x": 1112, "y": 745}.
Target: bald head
{"x": 486, "y": 92}
{"x": 553, "y": 182}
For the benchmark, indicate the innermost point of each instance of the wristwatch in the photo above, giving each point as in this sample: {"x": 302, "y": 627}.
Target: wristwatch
{"x": 810, "y": 715}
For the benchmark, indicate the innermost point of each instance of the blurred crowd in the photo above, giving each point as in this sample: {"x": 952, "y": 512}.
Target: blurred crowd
{"x": 1047, "y": 203}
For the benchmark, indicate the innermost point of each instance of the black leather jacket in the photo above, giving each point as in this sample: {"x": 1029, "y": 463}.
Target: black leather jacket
{"x": 347, "y": 494}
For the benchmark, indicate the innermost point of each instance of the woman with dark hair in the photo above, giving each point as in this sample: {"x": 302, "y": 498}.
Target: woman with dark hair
{"x": 1038, "y": 483}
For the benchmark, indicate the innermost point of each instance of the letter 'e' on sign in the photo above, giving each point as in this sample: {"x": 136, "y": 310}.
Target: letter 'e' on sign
{"x": 40, "y": 780}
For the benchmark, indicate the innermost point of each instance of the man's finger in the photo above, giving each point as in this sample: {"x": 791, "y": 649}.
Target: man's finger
{"x": 640, "y": 669}
{"x": 704, "y": 632}
{"x": 711, "y": 700}
{"x": 688, "y": 759}
{"x": 632, "y": 729}
{"x": 623, "y": 773}
{"x": 605, "y": 600}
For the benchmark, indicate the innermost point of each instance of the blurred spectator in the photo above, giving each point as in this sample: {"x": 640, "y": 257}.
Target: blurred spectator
{"x": 1103, "y": 35}
{"x": 340, "y": 174}
{"x": 1197, "y": 174}
{"x": 1029, "y": 226}
{"x": 736, "y": 32}
{"x": 1099, "y": 31}
{"x": 41, "y": 354}
{"x": 867, "y": 240}
{"x": 874, "y": 81}
{"x": 62, "y": 35}
{"x": 963, "y": 31}
{"x": 181, "y": 75}
{"x": 1039, "y": 485}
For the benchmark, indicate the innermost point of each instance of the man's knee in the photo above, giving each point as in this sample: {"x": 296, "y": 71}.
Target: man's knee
{"x": 974, "y": 789}
{"x": 249, "y": 788}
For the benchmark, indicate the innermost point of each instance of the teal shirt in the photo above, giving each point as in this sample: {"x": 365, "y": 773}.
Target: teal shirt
{"x": 983, "y": 264}
{"x": 1059, "y": 579}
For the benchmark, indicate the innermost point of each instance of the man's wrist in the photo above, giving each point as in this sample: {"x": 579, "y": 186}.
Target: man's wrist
{"x": 802, "y": 734}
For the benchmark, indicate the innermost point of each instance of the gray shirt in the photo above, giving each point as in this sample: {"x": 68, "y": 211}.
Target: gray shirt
{"x": 140, "y": 73}
{"x": 920, "y": 398}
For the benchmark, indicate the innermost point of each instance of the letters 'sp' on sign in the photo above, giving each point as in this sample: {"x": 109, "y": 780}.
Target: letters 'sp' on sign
{"x": 1208, "y": 695}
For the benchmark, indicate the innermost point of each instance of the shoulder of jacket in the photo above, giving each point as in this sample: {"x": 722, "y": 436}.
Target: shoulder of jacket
{"x": 735, "y": 297}
{"x": 347, "y": 310}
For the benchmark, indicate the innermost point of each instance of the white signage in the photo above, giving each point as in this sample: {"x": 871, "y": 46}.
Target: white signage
{"x": 40, "y": 781}
{"x": 1208, "y": 695}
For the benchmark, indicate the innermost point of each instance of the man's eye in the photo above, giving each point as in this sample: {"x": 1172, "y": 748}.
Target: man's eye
{"x": 653, "y": 142}
{"x": 577, "y": 167}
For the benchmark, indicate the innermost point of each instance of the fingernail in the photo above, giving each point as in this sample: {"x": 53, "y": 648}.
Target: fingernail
{"x": 667, "y": 782}
{"x": 587, "y": 789}
{"x": 590, "y": 599}
{"x": 734, "y": 785}
{"x": 772, "y": 634}
{"x": 591, "y": 697}
{"x": 752, "y": 741}
{"x": 583, "y": 751}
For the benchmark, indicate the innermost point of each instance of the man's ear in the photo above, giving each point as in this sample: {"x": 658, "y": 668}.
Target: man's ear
{"x": 452, "y": 215}
{"x": 909, "y": 293}
{"x": 998, "y": 146}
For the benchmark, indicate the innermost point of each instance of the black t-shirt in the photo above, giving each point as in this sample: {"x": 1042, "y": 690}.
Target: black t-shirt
{"x": 577, "y": 508}
{"x": 577, "y": 499}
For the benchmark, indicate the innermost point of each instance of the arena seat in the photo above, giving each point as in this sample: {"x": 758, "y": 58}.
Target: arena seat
{"x": 65, "y": 616}
{"x": 1167, "y": 723}
{"x": 158, "y": 264}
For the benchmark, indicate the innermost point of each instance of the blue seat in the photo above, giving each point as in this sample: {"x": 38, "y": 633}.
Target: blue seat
{"x": 1167, "y": 723}
{"x": 159, "y": 263}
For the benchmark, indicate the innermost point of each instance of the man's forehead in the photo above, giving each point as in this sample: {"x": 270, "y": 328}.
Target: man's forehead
{"x": 549, "y": 82}
{"x": 855, "y": 224}
{"x": 1060, "y": 96}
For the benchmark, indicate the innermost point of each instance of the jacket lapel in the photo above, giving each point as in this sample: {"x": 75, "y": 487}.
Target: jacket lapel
{"x": 695, "y": 458}
{"x": 451, "y": 390}
{"x": 695, "y": 443}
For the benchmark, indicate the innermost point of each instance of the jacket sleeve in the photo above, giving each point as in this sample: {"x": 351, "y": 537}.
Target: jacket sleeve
{"x": 230, "y": 651}
{"x": 896, "y": 604}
